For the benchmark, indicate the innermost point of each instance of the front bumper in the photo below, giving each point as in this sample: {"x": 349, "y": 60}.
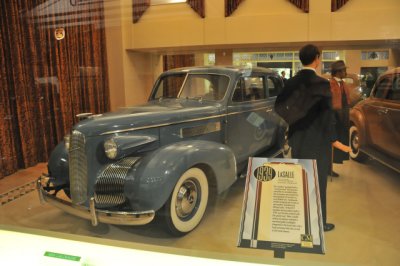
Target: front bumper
{"x": 91, "y": 213}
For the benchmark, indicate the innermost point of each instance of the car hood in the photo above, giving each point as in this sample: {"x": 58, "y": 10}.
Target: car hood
{"x": 151, "y": 114}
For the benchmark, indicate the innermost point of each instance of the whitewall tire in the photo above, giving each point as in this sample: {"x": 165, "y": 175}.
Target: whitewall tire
{"x": 355, "y": 153}
{"x": 188, "y": 201}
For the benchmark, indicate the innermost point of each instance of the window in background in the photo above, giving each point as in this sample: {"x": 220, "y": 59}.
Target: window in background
{"x": 374, "y": 55}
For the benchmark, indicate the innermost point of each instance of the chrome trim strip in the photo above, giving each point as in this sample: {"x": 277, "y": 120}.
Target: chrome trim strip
{"x": 187, "y": 132}
{"x": 78, "y": 169}
{"x": 247, "y": 111}
{"x": 108, "y": 217}
{"x": 180, "y": 122}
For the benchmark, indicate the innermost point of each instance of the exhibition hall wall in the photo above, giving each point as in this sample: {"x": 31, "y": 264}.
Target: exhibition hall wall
{"x": 134, "y": 49}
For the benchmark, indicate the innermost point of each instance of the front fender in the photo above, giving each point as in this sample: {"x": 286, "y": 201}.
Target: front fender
{"x": 58, "y": 165}
{"x": 153, "y": 179}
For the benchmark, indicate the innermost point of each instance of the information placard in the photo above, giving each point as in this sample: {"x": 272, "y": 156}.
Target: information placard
{"x": 281, "y": 206}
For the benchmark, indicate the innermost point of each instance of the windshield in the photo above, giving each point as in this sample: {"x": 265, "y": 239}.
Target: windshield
{"x": 190, "y": 86}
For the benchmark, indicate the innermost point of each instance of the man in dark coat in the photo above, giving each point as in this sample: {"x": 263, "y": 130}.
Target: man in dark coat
{"x": 312, "y": 136}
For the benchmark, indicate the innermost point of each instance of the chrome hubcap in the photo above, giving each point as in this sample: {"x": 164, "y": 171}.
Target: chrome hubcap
{"x": 186, "y": 199}
{"x": 354, "y": 142}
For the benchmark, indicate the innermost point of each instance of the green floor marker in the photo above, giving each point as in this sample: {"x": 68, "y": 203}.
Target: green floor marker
{"x": 61, "y": 256}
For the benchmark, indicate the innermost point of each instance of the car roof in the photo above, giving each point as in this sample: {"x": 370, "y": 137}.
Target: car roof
{"x": 229, "y": 69}
{"x": 392, "y": 71}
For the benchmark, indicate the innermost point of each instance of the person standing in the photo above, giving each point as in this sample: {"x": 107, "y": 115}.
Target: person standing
{"x": 312, "y": 135}
{"x": 341, "y": 106}
{"x": 283, "y": 76}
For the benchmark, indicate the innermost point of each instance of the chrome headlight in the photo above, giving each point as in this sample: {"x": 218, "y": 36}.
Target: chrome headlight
{"x": 67, "y": 141}
{"x": 111, "y": 149}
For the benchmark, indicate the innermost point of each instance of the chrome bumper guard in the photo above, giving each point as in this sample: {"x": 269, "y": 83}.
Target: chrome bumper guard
{"x": 93, "y": 214}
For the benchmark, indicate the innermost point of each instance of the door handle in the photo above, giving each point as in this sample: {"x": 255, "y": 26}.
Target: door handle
{"x": 268, "y": 110}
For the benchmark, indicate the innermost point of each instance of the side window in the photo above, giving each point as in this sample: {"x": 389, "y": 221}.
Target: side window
{"x": 195, "y": 86}
{"x": 382, "y": 88}
{"x": 211, "y": 87}
{"x": 169, "y": 86}
{"x": 239, "y": 92}
{"x": 250, "y": 89}
{"x": 394, "y": 93}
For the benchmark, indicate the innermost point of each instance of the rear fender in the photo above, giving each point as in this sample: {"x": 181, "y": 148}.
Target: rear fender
{"x": 357, "y": 119}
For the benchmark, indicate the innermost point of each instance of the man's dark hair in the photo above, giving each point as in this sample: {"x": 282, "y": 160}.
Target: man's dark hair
{"x": 308, "y": 53}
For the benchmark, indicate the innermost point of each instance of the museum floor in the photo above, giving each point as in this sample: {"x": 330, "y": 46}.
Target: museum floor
{"x": 364, "y": 204}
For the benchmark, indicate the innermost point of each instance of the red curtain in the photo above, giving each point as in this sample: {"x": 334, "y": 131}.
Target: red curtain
{"x": 337, "y": 4}
{"x": 44, "y": 83}
{"x": 175, "y": 61}
{"x": 302, "y": 4}
{"x": 198, "y": 6}
{"x": 231, "y": 6}
{"x": 138, "y": 8}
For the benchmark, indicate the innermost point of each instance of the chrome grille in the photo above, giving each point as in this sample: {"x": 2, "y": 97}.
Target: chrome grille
{"x": 78, "y": 168}
{"x": 109, "y": 187}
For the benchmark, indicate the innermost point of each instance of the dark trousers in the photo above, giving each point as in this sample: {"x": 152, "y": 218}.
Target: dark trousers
{"x": 322, "y": 164}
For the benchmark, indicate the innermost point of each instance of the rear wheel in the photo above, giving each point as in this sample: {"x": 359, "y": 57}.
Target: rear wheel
{"x": 186, "y": 206}
{"x": 355, "y": 153}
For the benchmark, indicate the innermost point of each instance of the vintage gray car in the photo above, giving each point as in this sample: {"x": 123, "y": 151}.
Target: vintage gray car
{"x": 190, "y": 141}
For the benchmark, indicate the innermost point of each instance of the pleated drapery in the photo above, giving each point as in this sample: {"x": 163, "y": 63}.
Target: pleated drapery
{"x": 176, "y": 61}
{"x": 337, "y": 4}
{"x": 302, "y": 4}
{"x": 138, "y": 8}
{"x": 198, "y": 6}
{"x": 231, "y": 6}
{"x": 45, "y": 82}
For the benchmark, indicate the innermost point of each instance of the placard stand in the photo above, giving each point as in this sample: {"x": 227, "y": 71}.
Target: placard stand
{"x": 279, "y": 253}
{"x": 281, "y": 207}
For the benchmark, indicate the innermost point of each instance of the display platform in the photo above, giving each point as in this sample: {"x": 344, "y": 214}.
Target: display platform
{"x": 352, "y": 205}
{"x": 31, "y": 247}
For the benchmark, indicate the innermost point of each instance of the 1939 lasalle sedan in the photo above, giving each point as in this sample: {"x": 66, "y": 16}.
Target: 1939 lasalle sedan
{"x": 190, "y": 141}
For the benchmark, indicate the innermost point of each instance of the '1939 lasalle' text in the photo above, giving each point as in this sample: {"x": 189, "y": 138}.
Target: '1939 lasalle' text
{"x": 190, "y": 141}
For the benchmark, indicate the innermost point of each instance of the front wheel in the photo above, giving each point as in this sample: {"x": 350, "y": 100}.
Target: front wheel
{"x": 355, "y": 153}
{"x": 186, "y": 205}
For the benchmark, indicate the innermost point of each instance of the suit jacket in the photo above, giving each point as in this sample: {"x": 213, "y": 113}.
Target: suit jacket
{"x": 312, "y": 136}
{"x": 337, "y": 94}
